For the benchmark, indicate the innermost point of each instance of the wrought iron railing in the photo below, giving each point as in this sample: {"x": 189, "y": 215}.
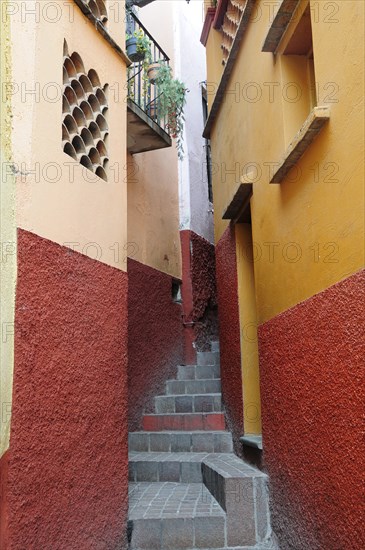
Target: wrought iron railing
{"x": 141, "y": 87}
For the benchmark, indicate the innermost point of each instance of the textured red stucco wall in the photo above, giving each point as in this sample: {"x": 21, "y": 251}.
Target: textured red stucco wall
{"x": 229, "y": 330}
{"x": 68, "y": 468}
{"x": 199, "y": 292}
{"x": 4, "y": 467}
{"x": 155, "y": 338}
{"x": 312, "y": 361}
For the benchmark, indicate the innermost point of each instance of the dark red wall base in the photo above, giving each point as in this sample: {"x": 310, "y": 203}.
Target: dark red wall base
{"x": 312, "y": 361}
{"x": 199, "y": 293}
{"x": 4, "y": 512}
{"x": 155, "y": 338}
{"x": 229, "y": 330}
{"x": 68, "y": 472}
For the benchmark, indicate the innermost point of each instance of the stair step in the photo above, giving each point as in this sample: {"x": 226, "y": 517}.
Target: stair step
{"x": 207, "y": 402}
{"x": 161, "y": 467}
{"x": 241, "y": 490}
{"x": 179, "y": 387}
{"x": 183, "y": 421}
{"x": 207, "y": 358}
{"x": 174, "y": 515}
{"x": 174, "y": 441}
{"x": 214, "y": 346}
{"x": 198, "y": 372}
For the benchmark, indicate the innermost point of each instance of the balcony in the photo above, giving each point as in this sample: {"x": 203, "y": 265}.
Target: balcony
{"x": 147, "y": 130}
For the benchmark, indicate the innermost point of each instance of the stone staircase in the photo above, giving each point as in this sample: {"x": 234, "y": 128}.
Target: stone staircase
{"x": 187, "y": 489}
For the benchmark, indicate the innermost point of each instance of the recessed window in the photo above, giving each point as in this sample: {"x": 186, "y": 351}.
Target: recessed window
{"x": 85, "y": 115}
{"x": 299, "y": 87}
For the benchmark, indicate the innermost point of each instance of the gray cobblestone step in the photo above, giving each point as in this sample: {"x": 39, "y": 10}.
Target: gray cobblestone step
{"x": 168, "y": 516}
{"x": 207, "y": 402}
{"x": 174, "y": 515}
{"x": 179, "y": 387}
{"x": 214, "y": 346}
{"x": 241, "y": 490}
{"x": 207, "y": 358}
{"x": 197, "y": 372}
{"x": 175, "y": 441}
{"x": 175, "y": 467}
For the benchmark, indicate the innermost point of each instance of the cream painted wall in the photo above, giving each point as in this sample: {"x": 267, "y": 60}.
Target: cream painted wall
{"x": 164, "y": 194}
{"x": 8, "y": 240}
{"x": 196, "y": 211}
{"x": 153, "y": 202}
{"x": 308, "y": 232}
{"x": 56, "y": 197}
{"x": 153, "y": 211}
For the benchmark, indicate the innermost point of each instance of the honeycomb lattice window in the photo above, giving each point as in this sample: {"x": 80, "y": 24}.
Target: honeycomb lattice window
{"x": 230, "y": 25}
{"x": 85, "y": 112}
{"x": 98, "y": 9}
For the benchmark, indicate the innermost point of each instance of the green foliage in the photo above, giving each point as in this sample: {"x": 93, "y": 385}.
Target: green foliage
{"x": 144, "y": 48}
{"x": 171, "y": 100}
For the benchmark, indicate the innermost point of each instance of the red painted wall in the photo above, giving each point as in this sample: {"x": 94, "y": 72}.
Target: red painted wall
{"x": 4, "y": 532}
{"x": 68, "y": 468}
{"x": 229, "y": 330}
{"x": 155, "y": 338}
{"x": 312, "y": 361}
{"x": 199, "y": 293}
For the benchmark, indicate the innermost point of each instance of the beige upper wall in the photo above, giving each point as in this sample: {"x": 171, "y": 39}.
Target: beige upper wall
{"x": 153, "y": 192}
{"x": 322, "y": 210}
{"x": 8, "y": 242}
{"x": 56, "y": 197}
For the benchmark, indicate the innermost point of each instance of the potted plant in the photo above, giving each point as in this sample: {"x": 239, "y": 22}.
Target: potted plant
{"x": 138, "y": 46}
{"x": 152, "y": 71}
{"x": 171, "y": 102}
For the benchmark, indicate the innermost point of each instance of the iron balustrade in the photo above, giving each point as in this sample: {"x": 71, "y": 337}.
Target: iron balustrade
{"x": 141, "y": 90}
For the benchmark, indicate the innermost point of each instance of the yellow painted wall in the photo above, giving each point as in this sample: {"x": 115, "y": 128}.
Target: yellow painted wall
{"x": 57, "y": 198}
{"x": 308, "y": 232}
{"x": 8, "y": 242}
{"x": 214, "y": 63}
{"x": 248, "y": 329}
{"x": 153, "y": 187}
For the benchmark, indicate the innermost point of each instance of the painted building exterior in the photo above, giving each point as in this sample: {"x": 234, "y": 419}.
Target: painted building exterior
{"x": 170, "y": 226}
{"x": 92, "y": 266}
{"x": 285, "y": 94}
{"x": 69, "y": 328}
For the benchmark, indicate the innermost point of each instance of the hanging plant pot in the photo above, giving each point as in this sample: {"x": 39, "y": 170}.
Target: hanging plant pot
{"x": 152, "y": 72}
{"x": 132, "y": 50}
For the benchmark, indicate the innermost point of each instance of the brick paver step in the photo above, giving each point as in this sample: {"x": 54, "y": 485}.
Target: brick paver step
{"x": 175, "y": 467}
{"x": 183, "y": 421}
{"x": 206, "y": 402}
{"x": 180, "y": 387}
{"x": 174, "y": 515}
{"x": 175, "y": 441}
{"x": 197, "y": 372}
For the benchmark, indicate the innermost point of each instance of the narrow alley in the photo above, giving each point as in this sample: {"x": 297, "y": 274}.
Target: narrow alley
{"x": 182, "y": 275}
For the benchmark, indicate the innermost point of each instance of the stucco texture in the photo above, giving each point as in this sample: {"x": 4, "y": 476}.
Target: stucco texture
{"x": 199, "y": 289}
{"x": 313, "y": 392}
{"x": 4, "y": 532}
{"x": 229, "y": 331}
{"x": 155, "y": 338}
{"x": 68, "y": 469}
